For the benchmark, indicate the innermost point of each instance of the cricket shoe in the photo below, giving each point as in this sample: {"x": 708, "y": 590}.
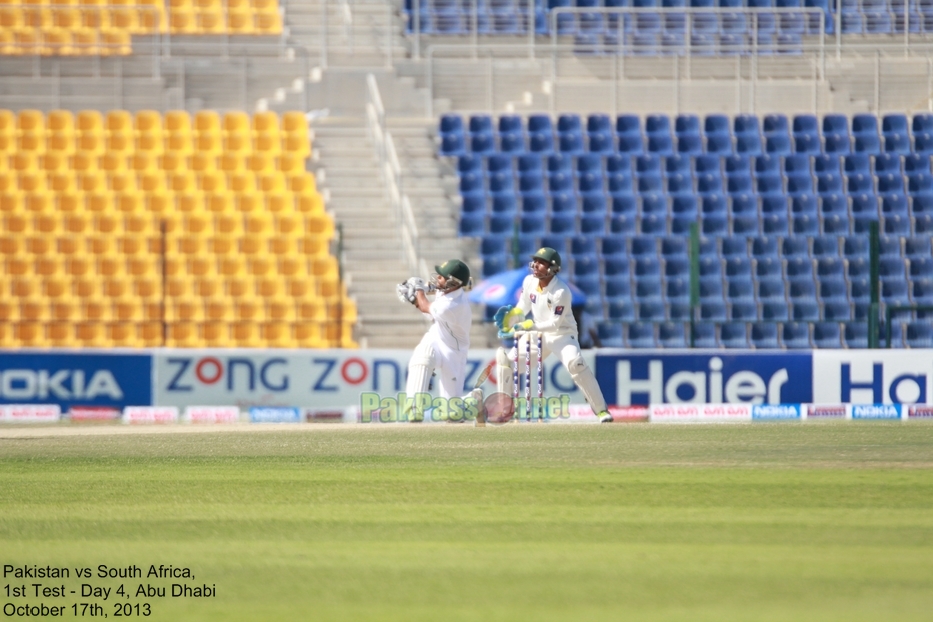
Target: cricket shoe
{"x": 605, "y": 417}
{"x": 480, "y": 422}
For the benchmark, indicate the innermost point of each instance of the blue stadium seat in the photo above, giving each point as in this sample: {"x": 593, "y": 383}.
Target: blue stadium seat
{"x": 620, "y": 309}
{"x": 865, "y": 124}
{"x": 867, "y": 143}
{"x": 795, "y": 335}
{"x": 916, "y": 247}
{"x": 827, "y": 335}
{"x": 641, "y": 335}
{"x": 734, "y": 335}
{"x": 617, "y": 266}
{"x": 919, "y": 334}
{"x": 774, "y": 311}
{"x": 857, "y": 163}
{"x": 472, "y": 224}
{"x": 610, "y": 334}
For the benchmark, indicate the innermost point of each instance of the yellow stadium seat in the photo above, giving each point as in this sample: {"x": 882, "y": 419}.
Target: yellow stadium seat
{"x": 240, "y": 21}
{"x": 126, "y": 309}
{"x": 212, "y": 182}
{"x": 160, "y": 202}
{"x": 86, "y": 40}
{"x": 321, "y": 225}
{"x": 209, "y": 143}
{"x": 240, "y": 286}
{"x": 40, "y": 201}
{"x": 150, "y": 334}
{"x": 283, "y": 245}
{"x": 183, "y": 335}
{"x": 246, "y": 334}
{"x": 183, "y": 21}
{"x": 178, "y": 285}
{"x": 90, "y": 143}
{"x": 9, "y": 182}
{"x": 31, "y": 142}
{"x": 60, "y": 334}
{"x": 138, "y": 223}
{"x": 179, "y": 142}
{"x": 207, "y": 122}
{"x": 79, "y": 266}
{"x": 217, "y": 309}
{"x": 61, "y": 121}
{"x": 216, "y": 334}
{"x": 236, "y": 122}
{"x": 106, "y": 224}
{"x": 210, "y": 21}
{"x": 197, "y": 223}
{"x": 122, "y": 181}
{"x": 24, "y": 161}
{"x": 122, "y": 144}
{"x": 91, "y": 182}
{"x": 249, "y": 202}
{"x": 173, "y": 161}
{"x": 289, "y": 223}
{"x": 114, "y": 162}
{"x": 48, "y": 223}
{"x": 115, "y": 43}
{"x": 201, "y": 265}
{"x": 231, "y": 266}
{"x": 148, "y": 122}
{"x": 310, "y": 310}
{"x": 55, "y": 162}
{"x": 242, "y": 182}
{"x": 145, "y": 162}
{"x": 11, "y": 17}
{"x": 248, "y": 309}
{"x": 32, "y": 181}
{"x": 268, "y": 23}
{"x": 181, "y": 181}
{"x": 48, "y": 266}
{"x": 201, "y": 163}
{"x": 82, "y": 162}
{"x": 291, "y": 163}
{"x": 272, "y": 181}
{"x": 270, "y": 287}
{"x": 277, "y": 334}
{"x": 33, "y": 309}
{"x": 116, "y": 286}
{"x": 189, "y": 201}
{"x": 261, "y": 266}
{"x": 152, "y": 16}
{"x": 27, "y": 42}
{"x": 75, "y": 223}
{"x": 302, "y": 183}
{"x": 60, "y": 143}
{"x": 219, "y": 202}
{"x": 11, "y": 201}
{"x": 19, "y": 265}
{"x": 178, "y": 121}
{"x": 280, "y": 309}
{"x": 187, "y": 244}
{"x": 92, "y": 334}
{"x": 57, "y": 40}
{"x": 262, "y": 163}
{"x": 85, "y": 285}
{"x": 207, "y": 287}
{"x": 92, "y": 310}
{"x": 63, "y": 310}
{"x": 16, "y": 223}
{"x": 184, "y": 310}
{"x": 29, "y": 334}
{"x": 258, "y": 222}
{"x": 151, "y": 181}
{"x": 292, "y": 266}
{"x": 142, "y": 266}
{"x": 40, "y": 244}
{"x": 308, "y": 335}
{"x": 129, "y": 202}
{"x": 280, "y": 202}
{"x": 133, "y": 245}
{"x": 30, "y": 121}
{"x": 266, "y": 123}
{"x": 149, "y": 143}
{"x": 7, "y": 122}
{"x": 313, "y": 245}
{"x": 231, "y": 163}
{"x": 110, "y": 266}
{"x": 122, "y": 334}
{"x": 9, "y": 311}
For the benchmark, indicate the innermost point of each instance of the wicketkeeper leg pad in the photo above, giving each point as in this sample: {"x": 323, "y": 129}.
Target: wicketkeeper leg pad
{"x": 585, "y": 380}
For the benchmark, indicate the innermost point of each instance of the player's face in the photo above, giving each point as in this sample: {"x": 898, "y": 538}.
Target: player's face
{"x": 441, "y": 282}
{"x": 539, "y": 269}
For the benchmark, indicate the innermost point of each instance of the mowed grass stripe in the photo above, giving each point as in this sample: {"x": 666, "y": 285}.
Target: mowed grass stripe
{"x": 570, "y": 523}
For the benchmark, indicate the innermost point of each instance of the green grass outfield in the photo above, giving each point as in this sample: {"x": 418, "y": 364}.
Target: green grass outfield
{"x": 625, "y": 522}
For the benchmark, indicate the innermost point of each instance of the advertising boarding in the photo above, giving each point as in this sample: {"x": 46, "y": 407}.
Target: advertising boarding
{"x": 310, "y": 378}
{"x": 872, "y": 376}
{"x": 73, "y": 379}
{"x": 704, "y": 377}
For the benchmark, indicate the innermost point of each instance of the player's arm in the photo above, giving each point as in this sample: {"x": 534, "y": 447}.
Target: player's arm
{"x": 421, "y": 302}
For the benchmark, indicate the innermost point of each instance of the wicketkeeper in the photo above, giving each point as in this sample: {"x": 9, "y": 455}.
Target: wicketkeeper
{"x": 547, "y": 298}
{"x": 443, "y": 349}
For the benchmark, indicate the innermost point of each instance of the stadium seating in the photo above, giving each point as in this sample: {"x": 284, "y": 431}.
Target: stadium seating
{"x": 784, "y": 223}
{"x": 100, "y": 209}
{"x": 99, "y": 28}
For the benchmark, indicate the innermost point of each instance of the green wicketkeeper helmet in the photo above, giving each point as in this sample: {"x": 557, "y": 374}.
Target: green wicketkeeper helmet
{"x": 549, "y": 256}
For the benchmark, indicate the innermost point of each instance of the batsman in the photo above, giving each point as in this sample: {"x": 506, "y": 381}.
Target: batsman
{"x": 443, "y": 349}
{"x": 547, "y": 298}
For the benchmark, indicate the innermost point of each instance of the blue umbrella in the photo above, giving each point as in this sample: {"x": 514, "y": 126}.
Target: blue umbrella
{"x": 504, "y": 289}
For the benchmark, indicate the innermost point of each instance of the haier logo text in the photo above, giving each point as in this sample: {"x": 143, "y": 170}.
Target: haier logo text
{"x": 705, "y": 379}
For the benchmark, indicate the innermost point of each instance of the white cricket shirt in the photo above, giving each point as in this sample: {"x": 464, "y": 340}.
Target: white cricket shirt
{"x": 550, "y": 307}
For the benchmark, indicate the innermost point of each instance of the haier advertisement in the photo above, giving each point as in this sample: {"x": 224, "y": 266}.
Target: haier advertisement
{"x": 872, "y": 376}
{"x": 75, "y": 379}
{"x": 309, "y": 378}
{"x": 705, "y": 377}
